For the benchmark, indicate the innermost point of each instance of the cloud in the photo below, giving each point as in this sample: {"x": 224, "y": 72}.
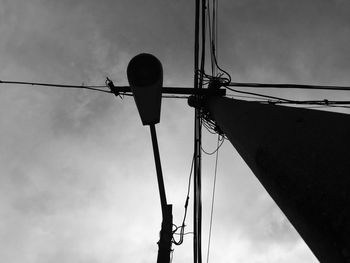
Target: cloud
{"x": 292, "y": 41}
{"x": 77, "y": 173}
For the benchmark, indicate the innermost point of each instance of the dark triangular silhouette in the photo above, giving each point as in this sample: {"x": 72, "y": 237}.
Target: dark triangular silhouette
{"x": 301, "y": 157}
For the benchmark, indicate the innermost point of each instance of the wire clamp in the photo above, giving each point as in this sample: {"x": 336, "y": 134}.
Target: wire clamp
{"x": 113, "y": 88}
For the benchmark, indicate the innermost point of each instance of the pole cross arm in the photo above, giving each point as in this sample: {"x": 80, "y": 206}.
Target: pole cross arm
{"x": 180, "y": 91}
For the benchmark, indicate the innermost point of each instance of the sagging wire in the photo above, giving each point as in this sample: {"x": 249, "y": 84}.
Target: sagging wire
{"x": 221, "y": 139}
{"x": 183, "y": 224}
{"x": 211, "y": 126}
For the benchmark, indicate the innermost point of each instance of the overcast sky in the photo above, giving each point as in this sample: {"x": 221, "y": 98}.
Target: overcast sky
{"x": 77, "y": 177}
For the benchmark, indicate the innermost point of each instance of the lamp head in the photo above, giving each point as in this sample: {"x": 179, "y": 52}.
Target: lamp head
{"x": 145, "y": 76}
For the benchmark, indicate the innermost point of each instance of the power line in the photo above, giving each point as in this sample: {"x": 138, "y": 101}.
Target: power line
{"x": 275, "y": 100}
{"x": 321, "y": 103}
{"x": 245, "y": 97}
{"x": 288, "y": 86}
{"x": 313, "y": 102}
{"x": 175, "y": 90}
{"x": 95, "y": 88}
{"x": 278, "y": 100}
{"x": 257, "y": 94}
{"x": 302, "y": 104}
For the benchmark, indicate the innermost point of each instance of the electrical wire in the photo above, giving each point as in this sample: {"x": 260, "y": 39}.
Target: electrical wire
{"x": 213, "y": 198}
{"x": 257, "y": 94}
{"x": 183, "y": 225}
{"x": 304, "y": 103}
{"x": 314, "y": 102}
{"x": 213, "y": 37}
{"x": 224, "y": 78}
{"x": 209, "y": 128}
{"x": 95, "y": 88}
{"x": 210, "y": 30}
{"x": 277, "y": 99}
{"x": 243, "y": 97}
{"x": 289, "y": 86}
{"x": 336, "y": 106}
{"x": 88, "y": 87}
{"x": 217, "y": 148}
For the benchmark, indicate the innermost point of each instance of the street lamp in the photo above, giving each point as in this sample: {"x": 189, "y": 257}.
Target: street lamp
{"x": 145, "y": 76}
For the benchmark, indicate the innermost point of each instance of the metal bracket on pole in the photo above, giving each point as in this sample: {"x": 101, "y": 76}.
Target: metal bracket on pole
{"x": 178, "y": 91}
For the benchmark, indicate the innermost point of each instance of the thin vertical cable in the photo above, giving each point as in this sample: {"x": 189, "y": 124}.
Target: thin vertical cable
{"x": 210, "y": 37}
{"x": 213, "y": 198}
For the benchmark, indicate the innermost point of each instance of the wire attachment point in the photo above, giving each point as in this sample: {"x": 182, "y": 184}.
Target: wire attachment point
{"x": 195, "y": 102}
{"x": 113, "y": 88}
{"x": 215, "y": 83}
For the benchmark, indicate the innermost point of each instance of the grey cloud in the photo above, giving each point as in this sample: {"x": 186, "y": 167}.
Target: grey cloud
{"x": 284, "y": 35}
{"x": 77, "y": 171}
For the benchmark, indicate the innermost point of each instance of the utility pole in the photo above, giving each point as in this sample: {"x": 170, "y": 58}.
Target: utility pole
{"x": 197, "y": 209}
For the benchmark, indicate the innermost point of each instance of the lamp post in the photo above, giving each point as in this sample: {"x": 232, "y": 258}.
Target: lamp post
{"x": 145, "y": 76}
